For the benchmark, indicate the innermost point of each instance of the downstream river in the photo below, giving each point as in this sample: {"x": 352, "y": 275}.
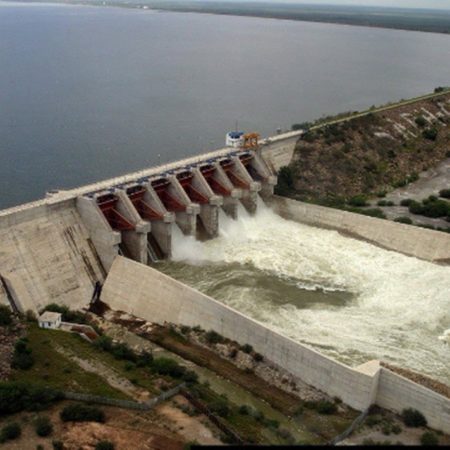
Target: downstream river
{"x": 347, "y": 299}
{"x": 87, "y": 93}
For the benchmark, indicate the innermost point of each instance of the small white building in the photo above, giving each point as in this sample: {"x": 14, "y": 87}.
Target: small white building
{"x": 50, "y": 320}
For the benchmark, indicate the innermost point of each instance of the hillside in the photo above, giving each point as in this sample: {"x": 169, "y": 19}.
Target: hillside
{"x": 370, "y": 154}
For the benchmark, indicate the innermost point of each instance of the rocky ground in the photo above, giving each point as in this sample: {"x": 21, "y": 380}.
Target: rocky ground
{"x": 8, "y": 336}
{"x": 369, "y": 154}
{"x": 430, "y": 182}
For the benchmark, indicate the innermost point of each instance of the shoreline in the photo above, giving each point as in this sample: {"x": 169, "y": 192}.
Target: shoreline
{"x": 256, "y": 14}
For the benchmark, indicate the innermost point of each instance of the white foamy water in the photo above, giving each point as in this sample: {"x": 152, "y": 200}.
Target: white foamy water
{"x": 399, "y": 312}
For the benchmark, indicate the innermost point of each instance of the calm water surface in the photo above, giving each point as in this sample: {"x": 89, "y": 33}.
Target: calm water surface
{"x": 88, "y": 93}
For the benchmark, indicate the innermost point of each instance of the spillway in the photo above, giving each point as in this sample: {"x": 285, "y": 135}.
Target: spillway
{"x": 346, "y": 298}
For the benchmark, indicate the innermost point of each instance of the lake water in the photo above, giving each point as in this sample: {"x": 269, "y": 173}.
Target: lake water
{"x": 87, "y": 93}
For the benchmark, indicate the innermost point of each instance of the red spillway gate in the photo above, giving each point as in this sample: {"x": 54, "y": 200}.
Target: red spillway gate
{"x": 136, "y": 195}
{"x": 170, "y": 202}
{"x": 227, "y": 166}
{"x": 218, "y": 188}
{"x": 185, "y": 179}
{"x": 107, "y": 203}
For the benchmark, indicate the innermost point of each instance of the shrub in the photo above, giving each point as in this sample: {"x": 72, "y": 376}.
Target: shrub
{"x": 167, "y": 366}
{"x": 122, "y": 351}
{"x": 10, "y": 432}
{"x": 326, "y": 407}
{"x": 358, "y": 200}
{"x": 185, "y": 329}
{"x": 5, "y": 315}
{"x": 286, "y": 435}
{"x": 372, "y": 212}
{"x": 220, "y": 407}
{"x": 285, "y": 180}
{"x": 233, "y": 353}
{"x": 415, "y": 207}
{"x": 22, "y": 361}
{"x": 104, "y": 445}
{"x": 145, "y": 359}
{"x": 413, "y": 177}
{"x": 371, "y": 421}
{"x": 30, "y": 316}
{"x": 57, "y": 445}
{"x": 403, "y": 219}
{"x": 104, "y": 343}
{"x": 82, "y": 413}
{"x": 406, "y": 202}
{"x": 444, "y": 193}
{"x": 420, "y": 121}
{"x": 22, "y": 357}
{"x": 190, "y": 376}
{"x": 382, "y": 203}
{"x": 413, "y": 418}
{"x": 16, "y": 397}
{"x": 129, "y": 366}
{"x": 213, "y": 337}
{"x": 429, "y": 438}
{"x": 244, "y": 410}
{"x": 43, "y": 426}
{"x": 258, "y": 357}
{"x": 430, "y": 133}
{"x": 247, "y": 348}
{"x": 396, "y": 429}
{"x": 435, "y": 208}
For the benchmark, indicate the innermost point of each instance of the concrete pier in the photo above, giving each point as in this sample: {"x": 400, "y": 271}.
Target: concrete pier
{"x": 198, "y": 190}
{"x": 250, "y": 187}
{"x": 221, "y": 184}
{"x": 175, "y": 199}
{"x": 259, "y": 171}
{"x": 105, "y": 239}
{"x": 135, "y": 241}
{"x": 152, "y": 209}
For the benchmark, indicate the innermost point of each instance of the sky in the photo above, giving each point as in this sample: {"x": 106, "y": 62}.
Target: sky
{"x": 434, "y": 4}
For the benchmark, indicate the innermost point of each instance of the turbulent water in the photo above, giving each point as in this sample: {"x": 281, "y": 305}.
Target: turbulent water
{"x": 346, "y": 298}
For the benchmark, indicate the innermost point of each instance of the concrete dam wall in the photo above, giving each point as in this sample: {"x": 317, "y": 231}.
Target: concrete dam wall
{"x": 57, "y": 248}
{"x": 46, "y": 255}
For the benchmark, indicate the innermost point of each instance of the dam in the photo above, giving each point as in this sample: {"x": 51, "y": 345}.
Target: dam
{"x": 144, "y": 235}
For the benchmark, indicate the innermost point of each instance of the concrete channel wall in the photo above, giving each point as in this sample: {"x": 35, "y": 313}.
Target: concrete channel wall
{"x": 410, "y": 240}
{"x": 143, "y": 291}
{"x": 397, "y": 393}
{"x": 147, "y": 293}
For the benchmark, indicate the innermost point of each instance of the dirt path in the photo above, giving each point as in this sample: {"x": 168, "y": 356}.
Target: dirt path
{"x": 109, "y": 375}
{"x": 191, "y": 428}
{"x": 430, "y": 183}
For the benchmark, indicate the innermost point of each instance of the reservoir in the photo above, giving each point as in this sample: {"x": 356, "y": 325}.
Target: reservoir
{"x": 88, "y": 93}
{"x": 345, "y": 298}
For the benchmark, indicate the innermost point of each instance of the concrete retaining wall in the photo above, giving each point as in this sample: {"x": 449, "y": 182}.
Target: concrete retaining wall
{"x": 397, "y": 393}
{"x": 147, "y": 293}
{"x": 410, "y": 240}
